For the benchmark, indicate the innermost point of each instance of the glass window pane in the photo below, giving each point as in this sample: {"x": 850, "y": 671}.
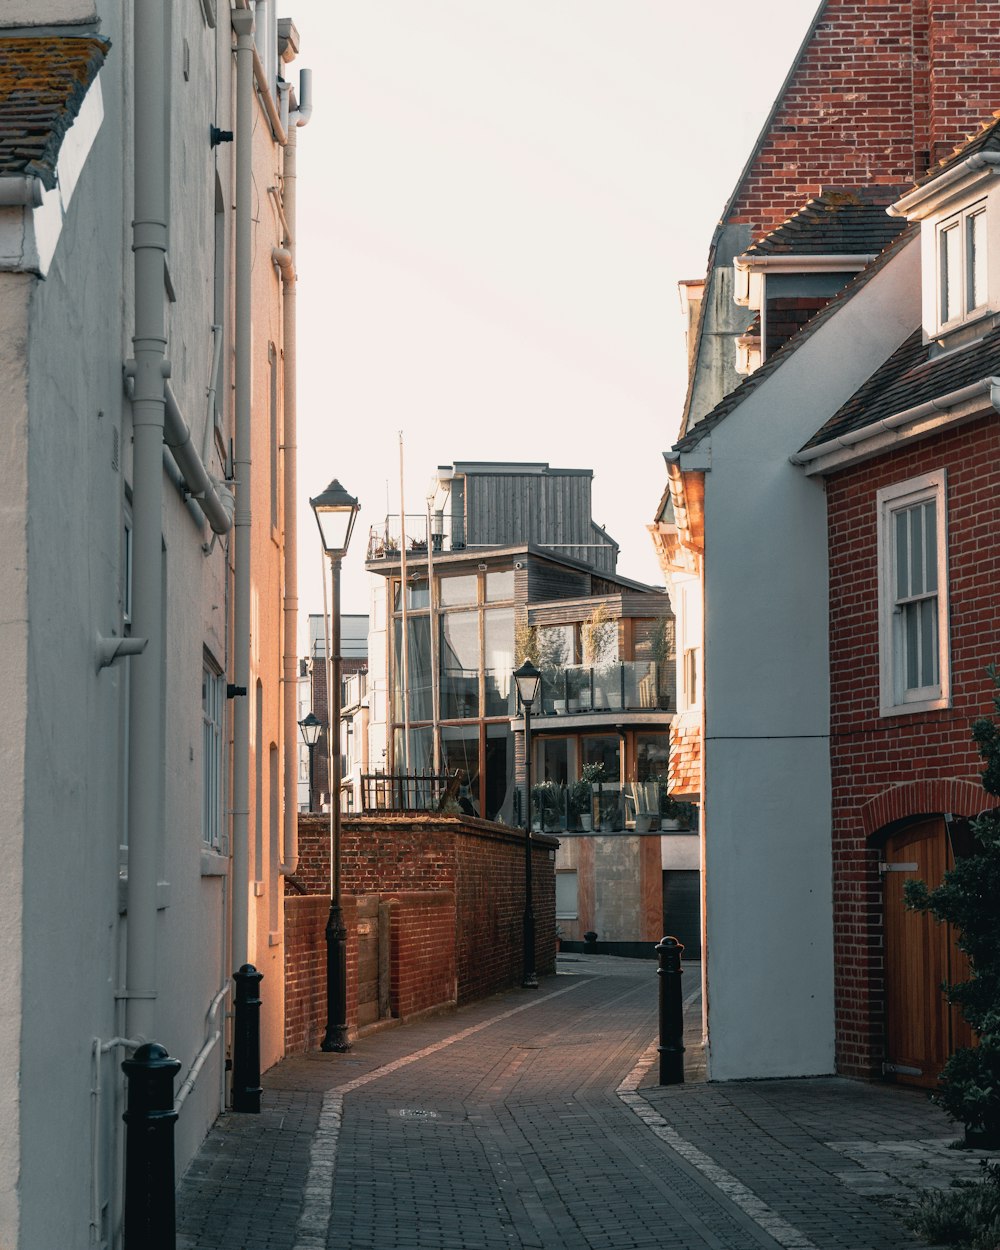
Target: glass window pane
{"x": 500, "y": 774}
{"x": 418, "y": 660}
{"x": 652, "y": 754}
{"x": 902, "y": 556}
{"x": 916, "y": 551}
{"x": 499, "y": 586}
{"x": 459, "y": 591}
{"x": 930, "y": 545}
{"x": 951, "y": 273}
{"x": 566, "y": 894}
{"x": 459, "y": 665}
{"x": 417, "y": 594}
{"x": 499, "y": 660}
{"x": 928, "y": 643}
{"x": 420, "y": 758}
{"x": 976, "y": 260}
{"x": 910, "y": 644}
{"x": 603, "y": 749}
{"x": 460, "y": 751}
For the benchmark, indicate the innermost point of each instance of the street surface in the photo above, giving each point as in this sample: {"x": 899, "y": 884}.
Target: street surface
{"x": 533, "y": 1120}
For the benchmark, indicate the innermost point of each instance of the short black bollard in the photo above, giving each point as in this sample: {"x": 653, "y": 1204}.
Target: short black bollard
{"x": 671, "y": 1047}
{"x": 246, "y": 1041}
{"x": 150, "y": 1222}
{"x": 590, "y": 940}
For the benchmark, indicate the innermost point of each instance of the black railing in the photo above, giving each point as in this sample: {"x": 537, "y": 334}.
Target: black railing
{"x": 407, "y": 792}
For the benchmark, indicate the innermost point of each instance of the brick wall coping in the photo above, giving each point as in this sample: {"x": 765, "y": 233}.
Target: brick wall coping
{"x": 432, "y": 822}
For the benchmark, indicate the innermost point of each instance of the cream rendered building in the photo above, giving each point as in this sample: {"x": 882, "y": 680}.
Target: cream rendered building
{"x": 148, "y": 550}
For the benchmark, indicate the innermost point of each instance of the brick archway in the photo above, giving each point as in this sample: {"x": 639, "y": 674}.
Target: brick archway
{"x": 919, "y": 798}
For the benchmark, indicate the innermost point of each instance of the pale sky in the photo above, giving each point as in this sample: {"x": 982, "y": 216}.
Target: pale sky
{"x": 496, "y": 203}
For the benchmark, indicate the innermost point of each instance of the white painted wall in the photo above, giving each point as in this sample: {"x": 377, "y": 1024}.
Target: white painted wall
{"x": 766, "y": 815}
{"x": 15, "y": 293}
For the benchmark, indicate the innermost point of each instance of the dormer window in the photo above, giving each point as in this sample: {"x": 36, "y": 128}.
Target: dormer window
{"x": 962, "y": 265}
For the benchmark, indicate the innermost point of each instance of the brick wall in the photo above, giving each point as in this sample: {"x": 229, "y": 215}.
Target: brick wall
{"x": 887, "y": 768}
{"x": 456, "y": 892}
{"x": 883, "y": 88}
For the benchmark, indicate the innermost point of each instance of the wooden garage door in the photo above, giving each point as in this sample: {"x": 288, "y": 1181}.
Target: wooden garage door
{"x": 921, "y": 1029}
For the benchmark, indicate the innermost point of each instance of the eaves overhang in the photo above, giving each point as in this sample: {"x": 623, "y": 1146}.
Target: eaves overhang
{"x": 932, "y": 417}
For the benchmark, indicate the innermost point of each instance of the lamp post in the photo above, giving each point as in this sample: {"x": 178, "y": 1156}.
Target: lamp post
{"x": 527, "y": 678}
{"x": 309, "y": 727}
{"x": 336, "y": 512}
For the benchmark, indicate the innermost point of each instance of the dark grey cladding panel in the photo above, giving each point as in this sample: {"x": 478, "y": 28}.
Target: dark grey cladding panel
{"x": 511, "y": 508}
{"x": 549, "y": 581}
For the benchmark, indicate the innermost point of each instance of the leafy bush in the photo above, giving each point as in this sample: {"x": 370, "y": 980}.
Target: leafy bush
{"x": 967, "y": 899}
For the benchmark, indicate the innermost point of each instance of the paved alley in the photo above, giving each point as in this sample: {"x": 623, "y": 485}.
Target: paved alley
{"x": 534, "y": 1120}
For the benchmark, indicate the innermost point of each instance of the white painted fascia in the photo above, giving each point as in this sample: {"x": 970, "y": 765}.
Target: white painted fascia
{"x": 946, "y": 412}
{"x": 750, "y": 269}
{"x": 30, "y": 224}
{"x": 955, "y": 183}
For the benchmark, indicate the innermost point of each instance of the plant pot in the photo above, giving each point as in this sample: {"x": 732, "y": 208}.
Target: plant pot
{"x": 669, "y": 824}
{"x": 559, "y": 706}
{"x": 573, "y": 705}
{"x": 536, "y": 826}
{"x": 643, "y": 822}
{"x": 587, "y": 823}
{"x": 983, "y": 1138}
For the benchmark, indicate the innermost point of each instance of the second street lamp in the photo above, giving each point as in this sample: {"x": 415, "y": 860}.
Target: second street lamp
{"x": 336, "y": 512}
{"x": 527, "y": 678}
{"x": 309, "y": 727}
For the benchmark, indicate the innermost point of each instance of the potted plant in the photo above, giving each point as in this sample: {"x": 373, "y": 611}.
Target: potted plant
{"x": 581, "y": 804}
{"x": 674, "y": 813}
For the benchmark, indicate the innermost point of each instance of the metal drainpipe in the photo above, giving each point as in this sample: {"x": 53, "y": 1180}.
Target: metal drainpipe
{"x": 149, "y": 245}
{"x": 290, "y": 838}
{"x": 242, "y": 20}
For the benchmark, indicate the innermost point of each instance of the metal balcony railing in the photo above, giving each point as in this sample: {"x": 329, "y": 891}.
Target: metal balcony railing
{"x": 627, "y": 685}
{"x": 385, "y": 541}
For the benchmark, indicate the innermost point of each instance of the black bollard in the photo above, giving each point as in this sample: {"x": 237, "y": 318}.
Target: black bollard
{"x": 150, "y": 1222}
{"x": 246, "y": 1041}
{"x": 671, "y": 1047}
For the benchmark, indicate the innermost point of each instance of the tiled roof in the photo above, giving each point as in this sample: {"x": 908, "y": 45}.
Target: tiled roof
{"x": 836, "y": 223}
{"x": 750, "y": 384}
{"x": 987, "y": 139}
{"x": 43, "y": 80}
{"x": 909, "y": 378}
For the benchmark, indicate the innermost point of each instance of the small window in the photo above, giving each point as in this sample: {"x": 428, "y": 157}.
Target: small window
{"x": 567, "y": 894}
{"x": 913, "y": 598}
{"x": 962, "y": 266}
{"x": 212, "y": 706}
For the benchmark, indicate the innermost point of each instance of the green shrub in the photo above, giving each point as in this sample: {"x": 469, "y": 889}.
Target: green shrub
{"x": 966, "y": 1216}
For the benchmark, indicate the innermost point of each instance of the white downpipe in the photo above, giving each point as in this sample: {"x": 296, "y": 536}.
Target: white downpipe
{"x": 97, "y": 1049}
{"x": 210, "y": 1042}
{"x": 214, "y": 499}
{"x": 242, "y": 20}
{"x": 285, "y": 260}
{"x": 406, "y": 632}
{"x": 149, "y": 244}
{"x": 431, "y": 602}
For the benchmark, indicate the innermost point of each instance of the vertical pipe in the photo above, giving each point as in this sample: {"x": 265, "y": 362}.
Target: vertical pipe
{"x": 149, "y": 245}
{"x": 243, "y": 25}
{"x": 406, "y": 632}
{"x": 290, "y": 838}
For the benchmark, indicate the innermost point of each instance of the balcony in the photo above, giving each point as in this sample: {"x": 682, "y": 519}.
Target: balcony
{"x": 625, "y": 686}
{"x": 385, "y": 541}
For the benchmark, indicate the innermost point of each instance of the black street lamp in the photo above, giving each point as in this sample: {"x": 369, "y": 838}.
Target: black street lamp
{"x": 309, "y": 727}
{"x": 527, "y": 678}
{"x": 336, "y": 512}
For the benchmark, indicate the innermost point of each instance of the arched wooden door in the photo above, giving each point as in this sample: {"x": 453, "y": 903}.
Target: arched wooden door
{"x": 920, "y": 954}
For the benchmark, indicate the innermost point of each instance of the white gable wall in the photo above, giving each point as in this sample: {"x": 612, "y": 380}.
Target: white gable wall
{"x": 768, "y": 867}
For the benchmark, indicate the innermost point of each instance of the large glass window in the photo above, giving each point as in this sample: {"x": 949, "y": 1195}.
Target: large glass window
{"x": 459, "y": 665}
{"x": 418, "y": 661}
{"x": 962, "y": 274}
{"x": 553, "y": 760}
{"x": 418, "y": 594}
{"x": 499, "y": 586}
{"x": 499, "y": 774}
{"x": 498, "y": 628}
{"x": 603, "y": 749}
{"x": 420, "y": 756}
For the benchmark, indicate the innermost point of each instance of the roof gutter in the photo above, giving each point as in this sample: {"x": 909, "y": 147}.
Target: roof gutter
{"x": 920, "y": 421}
{"x": 824, "y": 262}
{"x": 21, "y": 190}
{"x": 923, "y": 200}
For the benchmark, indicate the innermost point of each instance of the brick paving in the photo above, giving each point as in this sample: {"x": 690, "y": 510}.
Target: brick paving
{"x": 533, "y": 1120}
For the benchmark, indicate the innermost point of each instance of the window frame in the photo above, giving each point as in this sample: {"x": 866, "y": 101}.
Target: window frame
{"x": 213, "y": 777}
{"x": 894, "y": 699}
{"x": 961, "y": 223}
